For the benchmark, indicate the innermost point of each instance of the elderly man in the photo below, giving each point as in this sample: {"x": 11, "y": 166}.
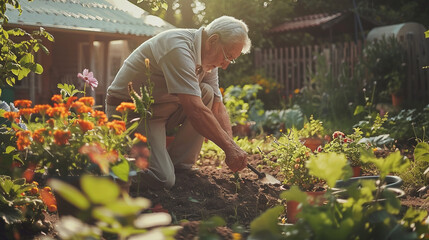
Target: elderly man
{"x": 184, "y": 69}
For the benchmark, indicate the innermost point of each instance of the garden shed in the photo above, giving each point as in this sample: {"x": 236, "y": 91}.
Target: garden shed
{"x": 93, "y": 34}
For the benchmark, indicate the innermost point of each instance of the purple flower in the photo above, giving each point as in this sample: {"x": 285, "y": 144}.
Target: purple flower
{"x": 89, "y": 78}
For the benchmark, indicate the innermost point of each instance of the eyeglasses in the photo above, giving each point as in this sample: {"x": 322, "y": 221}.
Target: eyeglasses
{"x": 231, "y": 61}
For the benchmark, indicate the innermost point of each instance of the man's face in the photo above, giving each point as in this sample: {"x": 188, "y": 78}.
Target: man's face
{"x": 218, "y": 54}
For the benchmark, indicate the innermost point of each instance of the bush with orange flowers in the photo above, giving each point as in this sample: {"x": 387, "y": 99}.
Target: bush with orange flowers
{"x": 61, "y": 137}
{"x": 22, "y": 207}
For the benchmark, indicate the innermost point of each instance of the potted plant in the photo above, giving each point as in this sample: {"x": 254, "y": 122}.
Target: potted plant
{"x": 291, "y": 156}
{"x": 349, "y": 145}
{"x": 311, "y": 133}
{"x": 395, "y": 87}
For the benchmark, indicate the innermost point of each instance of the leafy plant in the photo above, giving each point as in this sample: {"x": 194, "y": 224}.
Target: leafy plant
{"x": 329, "y": 94}
{"x": 67, "y": 136}
{"x": 290, "y": 155}
{"x": 21, "y": 208}
{"x": 362, "y": 216}
{"x": 349, "y": 145}
{"x": 385, "y": 60}
{"x": 242, "y": 103}
{"x": 113, "y": 213}
{"x": 312, "y": 128}
{"x": 279, "y": 120}
{"x": 18, "y": 49}
{"x": 417, "y": 177}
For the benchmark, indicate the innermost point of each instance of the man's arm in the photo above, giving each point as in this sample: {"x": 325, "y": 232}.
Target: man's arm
{"x": 204, "y": 122}
{"x": 220, "y": 113}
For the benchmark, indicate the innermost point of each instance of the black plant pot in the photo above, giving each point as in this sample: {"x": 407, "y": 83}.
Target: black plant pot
{"x": 391, "y": 181}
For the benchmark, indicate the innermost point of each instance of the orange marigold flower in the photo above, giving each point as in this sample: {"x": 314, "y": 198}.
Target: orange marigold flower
{"x": 85, "y": 109}
{"x": 70, "y": 101}
{"x": 58, "y": 111}
{"x": 236, "y": 236}
{"x": 47, "y": 196}
{"x": 125, "y": 107}
{"x": 22, "y": 103}
{"x": 57, "y": 98}
{"x": 52, "y": 208}
{"x": 140, "y": 137}
{"x": 85, "y": 125}
{"x": 100, "y": 117}
{"x": 296, "y": 91}
{"x": 28, "y": 174}
{"x": 51, "y": 122}
{"x": 34, "y": 190}
{"x": 142, "y": 163}
{"x": 117, "y": 126}
{"x": 35, "y": 183}
{"x": 88, "y": 101}
{"x": 11, "y": 116}
{"x": 77, "y": 105}
{"x": 38, "y": 135}
{"x": 41, "y": 109}
{"x": 23, "y": 140}
{"x": 61, "y": 137}
{"x": 26, "y": 112}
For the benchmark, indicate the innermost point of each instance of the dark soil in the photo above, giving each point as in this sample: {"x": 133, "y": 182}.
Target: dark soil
{"x": 210, "y": 189}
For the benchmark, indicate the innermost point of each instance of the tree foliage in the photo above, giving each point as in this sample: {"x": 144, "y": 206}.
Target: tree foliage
{"x": 18, "y": 49}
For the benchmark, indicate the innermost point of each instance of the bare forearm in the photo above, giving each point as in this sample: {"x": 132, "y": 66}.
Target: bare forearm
{"x": 222, "y": 117}
{"x": 205, "y": 122}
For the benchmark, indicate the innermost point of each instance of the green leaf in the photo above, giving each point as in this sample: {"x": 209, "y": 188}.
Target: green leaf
{"x": 394, "y": 162}
{"x": 69, "y": 193}
{"x": 9, "y": 149}
{"x": 294, "y": 194}
{"x": 328, "y": 166}
{"x": 39, "y": 69}
{"x": 128, "y": 206}
{"x": 100, "y": 190}
{"x": 267, "y": 222}
{"x": 121, "y": 170}
{"x": 421, "y": 152}
{"x": 358, "y": 109}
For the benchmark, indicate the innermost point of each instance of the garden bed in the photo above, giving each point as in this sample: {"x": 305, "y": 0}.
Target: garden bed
{"x": 210, "y": 190}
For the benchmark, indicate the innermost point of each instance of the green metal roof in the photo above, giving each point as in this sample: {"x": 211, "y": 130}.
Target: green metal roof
{"x": 104, "y": 16}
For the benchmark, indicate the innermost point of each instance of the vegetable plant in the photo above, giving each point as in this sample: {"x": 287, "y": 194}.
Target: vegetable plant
{"x": 290, "y": 155}
{"x": 362, "y": 216}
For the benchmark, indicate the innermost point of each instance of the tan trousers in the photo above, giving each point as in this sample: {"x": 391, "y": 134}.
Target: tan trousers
{"x": 182, "y": 152}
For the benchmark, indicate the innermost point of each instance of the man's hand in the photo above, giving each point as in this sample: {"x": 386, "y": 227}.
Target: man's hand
{"x": 236, "y": 159}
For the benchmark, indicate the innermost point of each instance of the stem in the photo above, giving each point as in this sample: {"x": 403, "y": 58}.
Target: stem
{"x": 84, "y": 89}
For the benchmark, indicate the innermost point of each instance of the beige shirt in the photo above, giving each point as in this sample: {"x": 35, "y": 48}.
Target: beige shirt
{"x": 174, "y": 56}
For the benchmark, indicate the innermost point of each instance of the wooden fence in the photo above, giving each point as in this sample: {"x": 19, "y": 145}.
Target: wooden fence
{"x": 291, "y": 66}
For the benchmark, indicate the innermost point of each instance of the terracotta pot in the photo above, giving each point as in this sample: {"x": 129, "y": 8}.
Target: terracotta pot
{"x": 242, "y": 130}
{"x": 292, "y": 206}
{"x": 312, "y": 143}
{"x": 397, "y": 100}
{"x": 356, "y": 171}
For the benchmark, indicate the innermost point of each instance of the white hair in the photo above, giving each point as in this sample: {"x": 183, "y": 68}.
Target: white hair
{"x": 230, "y": 30}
